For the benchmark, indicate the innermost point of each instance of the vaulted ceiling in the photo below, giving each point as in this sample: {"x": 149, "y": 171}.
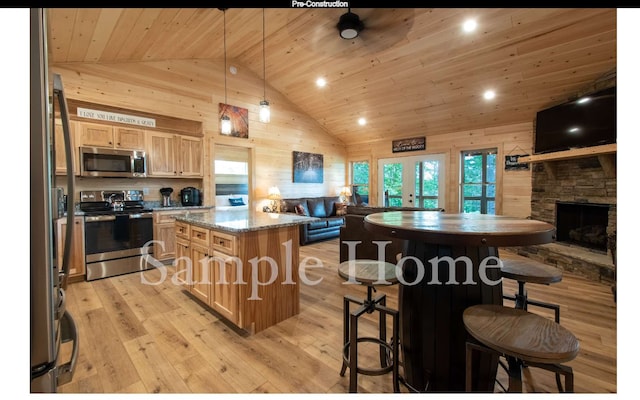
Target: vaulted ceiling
{"x": 409, "y": 72}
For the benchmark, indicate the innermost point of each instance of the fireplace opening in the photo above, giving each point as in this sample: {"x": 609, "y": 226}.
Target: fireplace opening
{"x": 582, "y": 224}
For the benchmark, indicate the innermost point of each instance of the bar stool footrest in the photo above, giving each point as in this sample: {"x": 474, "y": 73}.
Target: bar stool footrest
{"x": 370, "y": 371}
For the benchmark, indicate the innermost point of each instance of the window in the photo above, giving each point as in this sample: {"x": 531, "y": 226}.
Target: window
{"x": 478, "y": 183}
{"x": 360, "y": 182}
{"x": 225, "y": 167}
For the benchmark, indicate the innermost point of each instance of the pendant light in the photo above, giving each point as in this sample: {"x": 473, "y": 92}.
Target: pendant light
{"x": 225, "y": 121}
{"x": 265, "y": 111}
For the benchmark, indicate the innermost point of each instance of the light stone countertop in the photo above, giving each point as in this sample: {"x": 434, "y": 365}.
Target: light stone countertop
{"x": 238, "y": 221}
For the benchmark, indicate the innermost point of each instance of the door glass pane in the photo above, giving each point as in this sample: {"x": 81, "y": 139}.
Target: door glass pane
{"x": 430, "y": 178}
{"x": 473, "y": 168}
{"x": 491, "y": 168}
{"x": 360, "y": 181}
{"x": 430, "y": 203}
{"x": 491, "y": 207}
{"x": 472, "y": 206}
{"x": 392, "y": 184}
{"x": 491, "y": 190}
{"x": 472, "y": 190}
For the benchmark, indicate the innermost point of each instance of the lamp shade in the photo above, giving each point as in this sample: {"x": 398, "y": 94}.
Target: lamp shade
{"x": 274, "y": 193}
{"x": 265, "y": 112}
{"x": 346, "y": 191}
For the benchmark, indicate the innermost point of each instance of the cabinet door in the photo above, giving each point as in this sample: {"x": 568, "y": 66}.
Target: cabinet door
{"x": 61, "y": 163}
{"x": 184, "y": 270}
{"x": 166, "y": 234}
{"x": 128, "y": 138}
{"x": 201, "y": 273}
{"x": 191, "y": 156}
{"x": 76, "y": 259}
{"x": 96, "y": 135}
{"x": 224, "y": 293}
{"x": 161, "y": 158}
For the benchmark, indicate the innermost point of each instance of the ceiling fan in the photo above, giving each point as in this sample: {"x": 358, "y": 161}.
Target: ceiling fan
{"x": 363, "y": 31}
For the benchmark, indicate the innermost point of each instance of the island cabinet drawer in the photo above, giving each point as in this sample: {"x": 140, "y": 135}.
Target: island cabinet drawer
{"x": 162, "y": 217}
{"x": 182, "y": 229}
{"x": 224, "y": 242}
{"x": 199, "y": 236}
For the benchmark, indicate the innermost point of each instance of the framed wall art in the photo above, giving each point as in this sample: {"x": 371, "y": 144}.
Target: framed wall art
{"x": 307, "y": 167}
{"x": 239, "y": 119}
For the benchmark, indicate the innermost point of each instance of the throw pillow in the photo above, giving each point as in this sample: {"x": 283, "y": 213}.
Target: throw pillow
{"x": 341, "y": 208}
{"x": 236, "y": 201}
{"x": 301, "y": 210}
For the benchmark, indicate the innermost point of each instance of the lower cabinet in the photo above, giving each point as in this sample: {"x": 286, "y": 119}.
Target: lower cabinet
{"x": 164, "y": 232}
{"x": 249, "y": 278}
{"x": 76, "y": 259}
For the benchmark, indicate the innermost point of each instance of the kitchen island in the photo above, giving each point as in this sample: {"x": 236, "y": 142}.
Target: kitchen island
{"x": 242, "y": 264}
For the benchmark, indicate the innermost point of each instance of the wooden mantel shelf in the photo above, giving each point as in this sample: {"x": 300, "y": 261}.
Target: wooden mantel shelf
{"x": 606, "y": 156}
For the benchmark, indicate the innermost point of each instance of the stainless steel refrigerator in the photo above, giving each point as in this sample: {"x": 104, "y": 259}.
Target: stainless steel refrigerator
{"x": 51, "y": 324}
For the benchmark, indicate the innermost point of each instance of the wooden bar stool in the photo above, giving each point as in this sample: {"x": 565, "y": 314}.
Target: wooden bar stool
{"x": 370, "y": 273}
{"x": 521, "y": 337}
{"x": 530, "y": 271}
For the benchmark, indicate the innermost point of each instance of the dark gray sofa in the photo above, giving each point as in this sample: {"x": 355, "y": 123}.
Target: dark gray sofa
{"x": 354, "y": 230}
{"x": 320, "y": 207}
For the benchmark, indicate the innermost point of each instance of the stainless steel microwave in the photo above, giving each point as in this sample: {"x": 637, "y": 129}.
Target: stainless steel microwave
{"x": 101, "y": 162}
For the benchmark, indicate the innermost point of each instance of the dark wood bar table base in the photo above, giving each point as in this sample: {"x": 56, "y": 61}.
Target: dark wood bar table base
{"x": 432, "y": 333}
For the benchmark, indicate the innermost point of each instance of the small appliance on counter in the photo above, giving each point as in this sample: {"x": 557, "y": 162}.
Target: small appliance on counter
{"x": 190, "y": 196}
{"x": 166, "y": 196}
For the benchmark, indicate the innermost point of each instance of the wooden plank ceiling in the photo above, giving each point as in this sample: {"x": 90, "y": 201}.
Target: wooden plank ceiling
{"x": 411, "y": 72}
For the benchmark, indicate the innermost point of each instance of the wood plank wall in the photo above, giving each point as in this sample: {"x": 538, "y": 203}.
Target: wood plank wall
{"x": 192, "y": 89}
{"x": 513, "y": 195}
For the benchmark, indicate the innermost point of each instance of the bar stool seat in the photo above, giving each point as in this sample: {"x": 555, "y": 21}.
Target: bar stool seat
{"x": 370, "y": 273}
{"x": 530, "y": 271}
{"x": 521, "y": 337}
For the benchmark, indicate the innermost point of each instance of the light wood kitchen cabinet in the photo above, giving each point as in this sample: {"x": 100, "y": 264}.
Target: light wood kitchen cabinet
{"x": 164, "y": 231}
{"x": 224, "y": 292}
{"x": 76, "y": 259}
{"x": 183, "y": 274}
{"x": 61, "y": 163}
{"x": 201, "y": 271}
{"x": 229, "y": 283}
{"x": 171, "y": 155}
{"x": 116, "y": 137}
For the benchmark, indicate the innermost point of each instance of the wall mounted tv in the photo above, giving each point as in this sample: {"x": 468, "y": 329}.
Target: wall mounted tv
{"x": 587, "y": 121}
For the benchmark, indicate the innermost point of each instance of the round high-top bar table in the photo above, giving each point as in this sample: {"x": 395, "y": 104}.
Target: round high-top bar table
{"x": 432, "y": 333}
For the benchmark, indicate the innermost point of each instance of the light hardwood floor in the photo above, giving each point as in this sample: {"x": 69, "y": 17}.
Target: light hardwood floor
{"x": 141, "y": 338}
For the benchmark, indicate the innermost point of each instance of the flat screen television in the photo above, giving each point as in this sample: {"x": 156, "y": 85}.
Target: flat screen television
{"x": 587, "y": 121}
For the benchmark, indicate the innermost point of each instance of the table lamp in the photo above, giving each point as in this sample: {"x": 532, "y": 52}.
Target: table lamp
{"x": 345, "y": 194}
{"x": 274, "y": 196}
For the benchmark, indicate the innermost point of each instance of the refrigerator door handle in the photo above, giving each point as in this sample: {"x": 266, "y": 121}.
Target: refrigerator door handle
{"x": 58, "y": 90}
{"x": 69, "y": 332}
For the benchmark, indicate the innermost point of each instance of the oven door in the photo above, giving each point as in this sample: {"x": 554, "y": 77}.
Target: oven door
{"x": 115, "y": 244}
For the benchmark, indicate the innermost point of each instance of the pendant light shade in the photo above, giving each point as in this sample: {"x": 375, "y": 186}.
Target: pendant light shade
{"x": 265, "y": 111}
{"x": 225, "y": 124}
{"x": 349, "y": 25}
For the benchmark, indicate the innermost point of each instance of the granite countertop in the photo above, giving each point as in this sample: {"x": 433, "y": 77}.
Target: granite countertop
{"x": 237, "y": 221}
{"x": 179, "y": 208}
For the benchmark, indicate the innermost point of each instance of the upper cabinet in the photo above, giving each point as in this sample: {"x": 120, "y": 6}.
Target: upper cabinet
{"x": 102, "y": 135}
{"x": 61, "y": 161}
{"x": 171, "y": 155}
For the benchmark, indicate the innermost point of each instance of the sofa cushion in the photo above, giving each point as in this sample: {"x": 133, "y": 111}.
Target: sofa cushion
{"x": 334, "y": 221}
{"x": 330, "y": 205}
{"x": 317, "y": 224}
{"x": 316, "y": 207}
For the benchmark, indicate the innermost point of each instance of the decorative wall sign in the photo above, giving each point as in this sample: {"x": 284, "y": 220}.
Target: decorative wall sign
{"x": 412, "y": 144}
{"x": 115, "y": 117}
{"x": 307, "y": 167}
{"x": 239, "y": 119}
{"x": 511, "y": 163}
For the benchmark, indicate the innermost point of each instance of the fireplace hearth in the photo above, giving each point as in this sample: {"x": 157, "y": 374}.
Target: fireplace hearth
{"x": 582, "y": 224}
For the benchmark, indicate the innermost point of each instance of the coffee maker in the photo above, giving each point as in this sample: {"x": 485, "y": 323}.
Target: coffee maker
{"x": 166, "y": 196}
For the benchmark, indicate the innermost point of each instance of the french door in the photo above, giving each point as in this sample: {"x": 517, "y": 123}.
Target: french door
{"x": 417, "y": 181}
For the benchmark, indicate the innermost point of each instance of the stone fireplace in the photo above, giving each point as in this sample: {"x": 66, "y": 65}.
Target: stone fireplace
{"x": 578, "y": 196}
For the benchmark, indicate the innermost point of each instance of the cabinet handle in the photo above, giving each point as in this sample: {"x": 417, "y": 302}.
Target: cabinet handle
{"x": 118, "y": 144}
{"x": 110, "y": 143}
{"x": 221, "y": 242}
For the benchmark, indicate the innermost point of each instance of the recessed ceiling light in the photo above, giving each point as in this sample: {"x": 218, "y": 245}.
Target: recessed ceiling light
{"x": 574, "y": 129}
{"x": 233, "y": 70}
{"x": 584, "y": 100}
{"x": 321, "y": 82}
{"x": 362, "y": 121}
{"x": 469, "y": 25}
{"x": 489, "y": 94}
